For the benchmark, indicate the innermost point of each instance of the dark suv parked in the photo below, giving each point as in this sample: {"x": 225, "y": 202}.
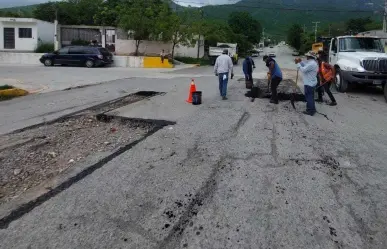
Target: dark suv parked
{"x": 78, "y": 55}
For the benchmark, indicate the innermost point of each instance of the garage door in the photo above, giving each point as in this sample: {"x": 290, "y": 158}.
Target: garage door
{"x": 9, "y": 38}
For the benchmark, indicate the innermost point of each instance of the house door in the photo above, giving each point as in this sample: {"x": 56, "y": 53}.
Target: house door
{"x": 9, "y": 38}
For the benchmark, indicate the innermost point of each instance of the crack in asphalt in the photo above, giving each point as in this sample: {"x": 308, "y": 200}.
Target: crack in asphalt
{"x": 172, "y": 240}
{"x": 205, "y": 193}
{"x": 326, "y": 116}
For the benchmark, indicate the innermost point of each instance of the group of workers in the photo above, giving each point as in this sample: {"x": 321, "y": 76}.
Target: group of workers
{"x": 315, "y": 72}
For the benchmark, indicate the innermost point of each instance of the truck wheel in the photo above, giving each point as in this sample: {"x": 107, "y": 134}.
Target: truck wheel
{"x": 385, "y": 91}
{"x": 341, "y": 83}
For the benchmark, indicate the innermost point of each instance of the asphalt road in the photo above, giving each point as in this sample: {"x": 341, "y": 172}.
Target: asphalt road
{"x": 232, "y": 174}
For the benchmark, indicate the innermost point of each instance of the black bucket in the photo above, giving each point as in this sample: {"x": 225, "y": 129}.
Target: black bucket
{"x": 197, "y": 98}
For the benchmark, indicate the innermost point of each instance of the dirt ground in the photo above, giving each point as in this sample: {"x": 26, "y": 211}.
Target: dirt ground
{"x": 30, "y": 157}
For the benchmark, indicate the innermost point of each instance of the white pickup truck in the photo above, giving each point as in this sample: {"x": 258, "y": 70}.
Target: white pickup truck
{"x": 214, "y": 52}
{"x": 358, "y": 60}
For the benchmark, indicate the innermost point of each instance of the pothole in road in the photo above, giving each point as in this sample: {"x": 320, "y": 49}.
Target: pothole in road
{"x": 287, "y": 90}
{"x": 32, "y": 156}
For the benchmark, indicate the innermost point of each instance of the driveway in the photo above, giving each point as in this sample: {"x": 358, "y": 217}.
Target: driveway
{"x": 40, "y": 79}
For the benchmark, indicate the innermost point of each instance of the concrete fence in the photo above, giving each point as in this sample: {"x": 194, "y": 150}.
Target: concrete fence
{"x": 33, "y": 59}
{"x": 20, "y": 58}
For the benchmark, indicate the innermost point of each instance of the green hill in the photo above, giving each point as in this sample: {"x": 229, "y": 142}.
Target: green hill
{"x": 23, "y": 11}
{"x": 276, "y": 17}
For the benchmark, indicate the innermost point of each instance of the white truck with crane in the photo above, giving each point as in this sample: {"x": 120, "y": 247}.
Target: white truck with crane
{"x": 358, "y": 60}
{"x": 214, "y": 52}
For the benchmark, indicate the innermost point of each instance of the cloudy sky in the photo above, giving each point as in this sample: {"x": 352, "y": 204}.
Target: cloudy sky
{"x": 12, "y": 3}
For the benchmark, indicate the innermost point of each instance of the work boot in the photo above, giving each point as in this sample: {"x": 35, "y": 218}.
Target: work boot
{"x": 224, "y": 98}
{"x": 307, "y": 113}
{"x": 333, "y": 104}
{"x": 274, "y": 102}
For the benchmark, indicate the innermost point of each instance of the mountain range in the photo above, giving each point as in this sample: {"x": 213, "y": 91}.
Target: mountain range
{"x": 276, "y": 16}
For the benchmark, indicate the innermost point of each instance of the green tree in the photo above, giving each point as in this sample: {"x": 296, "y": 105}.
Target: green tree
{"x": 108, "y": 12}
{"x": 357, "y": 25}
{"x": 294, "y": 36}
{"x": 63, "y": 10}
{"x": 178, "y": 29}
{"x": 215, "y": 31}
{"x": 71, "y": 12}
{"x": 243, "y": 23}
{"x": 307, "y": 40}
{"x": 140, "y": 18}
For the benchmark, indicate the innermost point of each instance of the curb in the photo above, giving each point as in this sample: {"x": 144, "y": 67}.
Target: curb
{"x": 13, "y": 92}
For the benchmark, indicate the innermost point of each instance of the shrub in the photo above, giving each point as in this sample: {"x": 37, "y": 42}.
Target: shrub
{"x": 189, "y": 60}
{"x": 45, "y": 48}
{"x": 5, "y": 87}
{"x": 80, "y": 42}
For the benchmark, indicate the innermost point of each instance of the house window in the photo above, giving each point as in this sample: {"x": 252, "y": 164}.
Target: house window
{"x": 25, "y": 33}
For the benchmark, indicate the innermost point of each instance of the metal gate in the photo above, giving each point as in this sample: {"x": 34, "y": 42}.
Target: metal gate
{"x": 110, "y": 36}
{"x": 80, "y": 36}
{"x": 9, "y": 38}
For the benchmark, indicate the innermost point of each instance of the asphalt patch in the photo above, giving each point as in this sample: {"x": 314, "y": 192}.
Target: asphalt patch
{"x": 156, "y": 125}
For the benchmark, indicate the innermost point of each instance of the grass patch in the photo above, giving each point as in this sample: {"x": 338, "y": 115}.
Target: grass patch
{"x": 5, "y": 87}
{"x": 45, "y": 48}
{"x": 189, "y": 60}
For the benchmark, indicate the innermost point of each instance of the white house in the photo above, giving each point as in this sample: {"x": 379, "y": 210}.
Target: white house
{"x": 24, "y": 34}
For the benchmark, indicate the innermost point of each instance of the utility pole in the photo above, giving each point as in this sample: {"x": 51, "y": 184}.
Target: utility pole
{"x": 330, "y": 27}
{"x": 315, "y": 29}
{"x": 199, "y": 40}
{"x": 56, "y": 41}
{"x": 385, "y": 17}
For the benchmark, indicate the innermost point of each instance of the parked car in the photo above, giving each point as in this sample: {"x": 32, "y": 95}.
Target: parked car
{"x": 78, "y": 55}
{"x": 254, "y": 53}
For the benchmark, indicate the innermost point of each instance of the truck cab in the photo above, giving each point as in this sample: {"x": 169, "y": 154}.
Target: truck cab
{"x": 358, "y": 60}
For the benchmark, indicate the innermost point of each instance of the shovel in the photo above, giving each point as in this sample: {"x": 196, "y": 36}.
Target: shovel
{"x": 293, "y": 96}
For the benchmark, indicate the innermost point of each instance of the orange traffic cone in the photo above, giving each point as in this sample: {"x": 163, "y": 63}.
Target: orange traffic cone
{"x": 191, "y": 90}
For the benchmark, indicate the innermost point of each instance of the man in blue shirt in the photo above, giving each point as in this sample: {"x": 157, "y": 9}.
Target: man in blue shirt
{"x": 275, "y": 75}
{"x": 248, "y": 65}
{"x": 309, "y": 69}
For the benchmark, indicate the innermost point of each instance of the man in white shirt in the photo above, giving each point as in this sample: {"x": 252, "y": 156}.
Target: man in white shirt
{"x": 223, "y": 66}
{"x": 309, "y": 69}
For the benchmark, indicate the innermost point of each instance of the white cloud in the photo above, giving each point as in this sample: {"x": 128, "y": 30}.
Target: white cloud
{"x": 193, "y": 3}
{"x": 199, "y": 3}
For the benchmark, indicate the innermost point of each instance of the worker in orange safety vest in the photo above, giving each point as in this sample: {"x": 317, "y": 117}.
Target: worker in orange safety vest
{"x": 326, "y": 77}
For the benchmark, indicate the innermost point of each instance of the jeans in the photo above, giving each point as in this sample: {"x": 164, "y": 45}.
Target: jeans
{"x": 327, "y": 88}
{"x": 223, "y": 84}
{"x": 309, "y": 96}
{"x": 274, "y": 84}
{"x": 249, "y": 76}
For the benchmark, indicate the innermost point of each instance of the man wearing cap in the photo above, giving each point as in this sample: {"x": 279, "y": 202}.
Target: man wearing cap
{"x": 275, "y": 75}
{"x": 309, "y": 69}
{"x": 223, "y": 66}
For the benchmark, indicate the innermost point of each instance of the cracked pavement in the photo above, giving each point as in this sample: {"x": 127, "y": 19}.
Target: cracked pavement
{"x": 232, "y": 174}
{"x": 235, "y": 174}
